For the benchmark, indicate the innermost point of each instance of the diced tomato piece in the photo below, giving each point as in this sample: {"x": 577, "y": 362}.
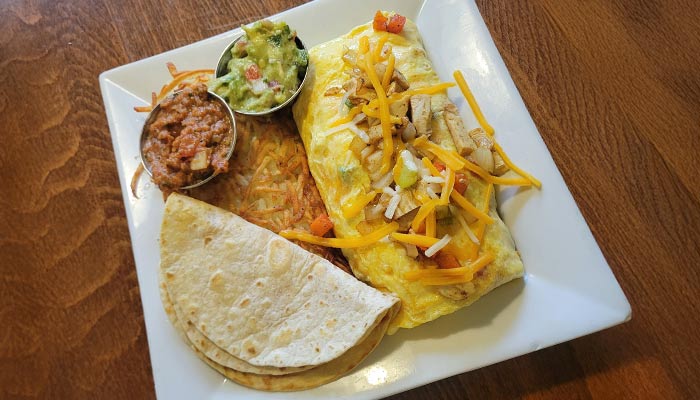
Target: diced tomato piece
{"x": 439, "y": 165}
{"x": 321, "y": 225}
{"x": 253, "y": 72}
{"x": 380, "y": 22}
{"x": 446, "y": 260}
{"x": 461, "y": 182}
{"x": 396, "y": 23}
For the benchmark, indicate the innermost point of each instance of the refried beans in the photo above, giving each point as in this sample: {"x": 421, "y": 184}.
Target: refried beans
{"x": 188, "y": 139}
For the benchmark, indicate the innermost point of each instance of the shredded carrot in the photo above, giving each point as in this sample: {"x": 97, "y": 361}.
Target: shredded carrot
{"x": 321, "y": 225}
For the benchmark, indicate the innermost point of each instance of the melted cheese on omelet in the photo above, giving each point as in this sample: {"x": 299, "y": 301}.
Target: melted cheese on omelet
{"x": 341, "y": 178}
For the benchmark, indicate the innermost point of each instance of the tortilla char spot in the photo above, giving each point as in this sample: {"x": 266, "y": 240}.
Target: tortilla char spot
{"x": 251, "y": 350}
{"x": 207, "y": 240}
{"x": 169, "y": 275}
{"x": 245, "y": 302}
{"x": 331, "y": 322}
{"x": 203, "y": 328}
{"x": 216, "y": 282}
{"x": 309, "y": 277}
{"x": 259, "y": 284}
{"x": 317, "y": 350}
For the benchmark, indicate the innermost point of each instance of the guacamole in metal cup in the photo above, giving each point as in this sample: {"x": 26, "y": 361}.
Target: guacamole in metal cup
{"x": 264, "y": 70}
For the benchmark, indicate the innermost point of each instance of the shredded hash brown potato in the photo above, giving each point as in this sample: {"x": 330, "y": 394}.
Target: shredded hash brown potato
{"x": 269, "y": 183}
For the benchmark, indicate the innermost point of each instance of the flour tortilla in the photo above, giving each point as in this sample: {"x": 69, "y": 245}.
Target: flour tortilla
{"x": 196, "y": 339}
{"x": 259, "y": 297}
{"x": 308, "y": 379}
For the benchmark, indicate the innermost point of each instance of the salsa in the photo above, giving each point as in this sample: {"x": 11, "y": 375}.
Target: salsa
{"x": 264, "y": 69}
{"x": 188, "y": 139}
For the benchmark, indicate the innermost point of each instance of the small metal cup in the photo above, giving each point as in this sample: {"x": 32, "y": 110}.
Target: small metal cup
{"x": 222, "y": 69}
{"x": 152, "y": 116}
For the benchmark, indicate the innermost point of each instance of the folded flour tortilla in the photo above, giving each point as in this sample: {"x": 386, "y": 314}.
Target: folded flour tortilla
{"x": 260, "y": 309}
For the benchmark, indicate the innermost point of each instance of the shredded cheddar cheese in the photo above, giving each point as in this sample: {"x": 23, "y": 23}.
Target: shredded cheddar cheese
{"x": 344, "y": 243}
{"x": 450, "y": 158}
{"x": 467, "y": 93}
{"x": 344, "y": 120}
{"x": 450, "y": 276}
{"x": 447, "y": 187}
{"x": 386, "y": 79}
{"x": 481, "y": 226}
{"x": 364, "y": 45}
{"x": 353, "y": 208}
{"x": 515, "y": 168}
{"x": 469, "y": 207}
{"x": 380, "y": 44}
{"x": 423, "y": 212}
{"x": 384, "y": 115}
{"x": 431, "y": 224}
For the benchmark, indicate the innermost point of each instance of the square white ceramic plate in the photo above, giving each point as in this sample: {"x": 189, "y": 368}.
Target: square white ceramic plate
{"x": 568, "y": 290}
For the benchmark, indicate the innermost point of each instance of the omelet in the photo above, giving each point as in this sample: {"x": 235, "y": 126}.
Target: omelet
{"x": 389, "y": 154}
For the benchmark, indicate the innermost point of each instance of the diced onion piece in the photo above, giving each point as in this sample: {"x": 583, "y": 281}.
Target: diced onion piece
{"x": 411, "y": 250}
{"x": 200, "y": 160}
{"x": 383, "y": 182}
{"x": 258, "y": 86}
{"x": 438, "y": 246}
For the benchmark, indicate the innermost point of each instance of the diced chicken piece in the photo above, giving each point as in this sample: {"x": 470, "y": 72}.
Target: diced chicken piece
{"x": 374, "y": 162}
{"x": 465, "y": 145}
{"x": 393, "y": 88}
{"x": 399, "y": 108}
{"x": 371, "y": 121}
{"x": 407, "y": 130}
{"x": 499, "y": 166}
{"x": 400, "y": 80}
{"x": 407, "y": 204}
{"x": 420, "y": 113}
{"x": 375, "y": 133}
{"x": 481, "y": 138}
{"x": 332, "y": 91}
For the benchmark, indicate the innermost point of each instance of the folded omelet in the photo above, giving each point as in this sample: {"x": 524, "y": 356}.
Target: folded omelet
{"x": 357, "y": 178}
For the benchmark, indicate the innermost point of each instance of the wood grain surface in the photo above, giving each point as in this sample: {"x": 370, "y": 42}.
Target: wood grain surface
{"x": 613, "y": 87}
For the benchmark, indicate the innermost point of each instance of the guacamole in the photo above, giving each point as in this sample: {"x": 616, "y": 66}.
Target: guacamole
{"x": 264, "y": 70}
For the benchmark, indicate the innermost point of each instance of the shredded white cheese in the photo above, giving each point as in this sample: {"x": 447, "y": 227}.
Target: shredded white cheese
{"x": 391, "y": 208}
{"x": 438, "y": 246}
{"x": 466, "y": 228}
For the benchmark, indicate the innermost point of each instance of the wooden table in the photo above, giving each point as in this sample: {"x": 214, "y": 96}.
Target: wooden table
{"x": 613, "y": 86}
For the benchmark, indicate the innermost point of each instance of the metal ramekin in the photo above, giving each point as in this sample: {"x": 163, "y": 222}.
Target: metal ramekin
{"x": 151, "y": 117}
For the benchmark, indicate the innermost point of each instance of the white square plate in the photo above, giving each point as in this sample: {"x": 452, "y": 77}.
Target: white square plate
{"x": 568, "y": 290}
